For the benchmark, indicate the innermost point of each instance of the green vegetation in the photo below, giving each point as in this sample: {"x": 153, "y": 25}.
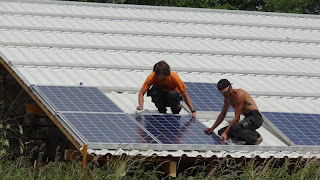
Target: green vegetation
{"x": 285, "y": 6}
{"x": 11, "y": 133}
{"x": 124, "y": 167}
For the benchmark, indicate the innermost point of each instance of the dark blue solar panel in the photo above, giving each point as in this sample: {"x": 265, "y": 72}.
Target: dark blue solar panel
{"x": 301, "y": 129}
{"x": 205, "y": 96}
{"x": 175, "y": 129}
{"x": 107, "y": 128}
{"x": 85, "y": 99}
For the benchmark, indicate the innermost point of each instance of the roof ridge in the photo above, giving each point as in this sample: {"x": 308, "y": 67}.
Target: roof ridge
{"x": 93, "y": 4}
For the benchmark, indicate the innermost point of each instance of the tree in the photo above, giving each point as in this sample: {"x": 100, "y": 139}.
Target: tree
{"x": 293, "y": 6}
{"x": 286, "y": 6}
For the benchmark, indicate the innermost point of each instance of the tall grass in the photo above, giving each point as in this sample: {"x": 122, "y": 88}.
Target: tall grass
{"x": 124, "y": 167}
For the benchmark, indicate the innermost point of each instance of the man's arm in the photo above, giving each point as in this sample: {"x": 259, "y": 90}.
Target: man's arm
{"x": 189, "y": 103}
{"x": 221, "y": 116}
{"x": 146, "y": 85}
{"x": 141, "y": 99}
{"x": 238, "y": 110}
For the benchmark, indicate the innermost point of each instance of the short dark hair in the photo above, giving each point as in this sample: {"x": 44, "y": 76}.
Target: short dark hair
{"x": 161, "y": 68}
{"x": 223, "y": 83}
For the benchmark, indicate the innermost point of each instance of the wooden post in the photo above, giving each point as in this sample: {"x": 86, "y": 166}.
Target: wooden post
{"x": 84, "y": 159}
{"x": 171, "y": 168}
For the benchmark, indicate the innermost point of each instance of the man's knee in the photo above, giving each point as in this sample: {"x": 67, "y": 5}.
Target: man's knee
{"x": 236, "y": 127}
{"x": 154, "y": 92}
{"x": 174, "y": 98}
{"x": 173, "y": 94}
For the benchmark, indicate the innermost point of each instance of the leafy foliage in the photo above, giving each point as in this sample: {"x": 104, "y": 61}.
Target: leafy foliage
{"x": 293, "y": 6}
{"x": 124, "y": 167}
{"x": 285, "y": 6}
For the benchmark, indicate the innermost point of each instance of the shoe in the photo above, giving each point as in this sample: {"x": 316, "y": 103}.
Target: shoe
{"x": 164, "y": 111}
{"x": 176, "y": 110}
{"x": 259, "y": 139}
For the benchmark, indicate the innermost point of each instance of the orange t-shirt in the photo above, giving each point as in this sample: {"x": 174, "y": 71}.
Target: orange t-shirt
{"x": 172, "y": 82}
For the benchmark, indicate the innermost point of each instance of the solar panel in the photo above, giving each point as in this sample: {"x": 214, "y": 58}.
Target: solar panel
{"x": 205, "y": 96}
{"x": 107, "y": 128}
{"x": 301, "y": 129}
{"x": 175, "y": 129}
{"x": 84, "y": 99}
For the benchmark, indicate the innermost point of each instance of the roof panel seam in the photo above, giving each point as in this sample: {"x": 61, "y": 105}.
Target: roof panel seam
{"x": 158, "y": 20}
{"x": 159, "y": 50}
{"x": 155, "y": 34}
{"x": 105, "y": 89}
{"x": 179, "y": 69}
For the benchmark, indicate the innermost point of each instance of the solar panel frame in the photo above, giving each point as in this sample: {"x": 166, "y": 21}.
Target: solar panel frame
{"x": 78, "y": 137}
{"x": 291, "y": 126}
{"x": 205, "y": 96}
{"x": 188, "y": 147}
{"x": 92, "y": 128}
{"x": 168, "y": 130}
{"x": 76, "y": 99}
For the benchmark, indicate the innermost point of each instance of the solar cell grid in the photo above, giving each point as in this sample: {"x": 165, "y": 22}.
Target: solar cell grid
{"x": 205, "y": 96}
{"x": 175, "y": 129}
{"x": 84, "y": 99}
{"x": 106, "y": 128}
{"x": 301, "y": 129}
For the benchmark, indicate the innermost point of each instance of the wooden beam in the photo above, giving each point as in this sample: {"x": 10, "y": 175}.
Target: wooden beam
{"x": 71, "y": 154}
{"x": 84, "y": 158}
{"x": 34, "y": 109}
{"x": 40, "y": 104}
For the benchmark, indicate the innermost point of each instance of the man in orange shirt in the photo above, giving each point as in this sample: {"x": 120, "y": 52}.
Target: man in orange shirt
{"x": 166, "y": 90}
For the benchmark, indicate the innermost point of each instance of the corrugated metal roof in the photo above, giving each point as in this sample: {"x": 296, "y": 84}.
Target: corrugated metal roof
{"x": 275, "y": 57}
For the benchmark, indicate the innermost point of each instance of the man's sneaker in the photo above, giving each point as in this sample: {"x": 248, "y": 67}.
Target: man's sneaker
{"x": 176, "y": 110}
{"x": 259, "y": 139}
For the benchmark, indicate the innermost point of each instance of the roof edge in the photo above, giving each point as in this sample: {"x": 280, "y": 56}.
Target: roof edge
{"x": 166, "y": 8}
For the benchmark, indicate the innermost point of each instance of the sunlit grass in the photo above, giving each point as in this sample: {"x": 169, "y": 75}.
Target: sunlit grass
{"x": 125, "y": 167}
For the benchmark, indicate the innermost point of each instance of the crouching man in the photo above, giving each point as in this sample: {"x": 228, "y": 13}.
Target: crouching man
{"x": 167, "y": 90}
{"x": 242, "y": 102}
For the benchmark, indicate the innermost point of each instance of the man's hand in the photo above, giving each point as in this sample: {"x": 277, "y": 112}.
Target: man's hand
{"x": 224, "y": 135}
{"x": 208, "y": 130}
{"x": 139, "y": 108}
{"x": 194, "y": 115}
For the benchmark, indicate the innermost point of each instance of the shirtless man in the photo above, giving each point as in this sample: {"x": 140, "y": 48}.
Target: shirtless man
{"x": 243, "y": 103}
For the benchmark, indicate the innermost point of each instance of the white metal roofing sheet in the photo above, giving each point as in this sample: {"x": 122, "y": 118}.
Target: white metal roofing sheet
{"x": 275, "y": 57}
{"x": 191, "y": 29}
{"x": 135, "y": 78}
{"x": 209, "y": 154}
{"x": 86, "y": 58}
{"x": 163, "y": 13}
{"x": 174, "y": 44}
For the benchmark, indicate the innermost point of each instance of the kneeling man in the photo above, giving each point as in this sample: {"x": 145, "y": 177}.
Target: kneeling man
{"x": 242, "y": 102}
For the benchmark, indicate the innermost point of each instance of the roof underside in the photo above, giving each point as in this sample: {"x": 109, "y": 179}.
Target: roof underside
{"x": 275, "y": 57}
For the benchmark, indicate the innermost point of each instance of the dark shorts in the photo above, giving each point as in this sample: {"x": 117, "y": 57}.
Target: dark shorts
{"x": 162, "y": 100}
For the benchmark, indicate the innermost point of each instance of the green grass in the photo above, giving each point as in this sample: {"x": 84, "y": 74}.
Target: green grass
{"x": 137, "y": 168}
